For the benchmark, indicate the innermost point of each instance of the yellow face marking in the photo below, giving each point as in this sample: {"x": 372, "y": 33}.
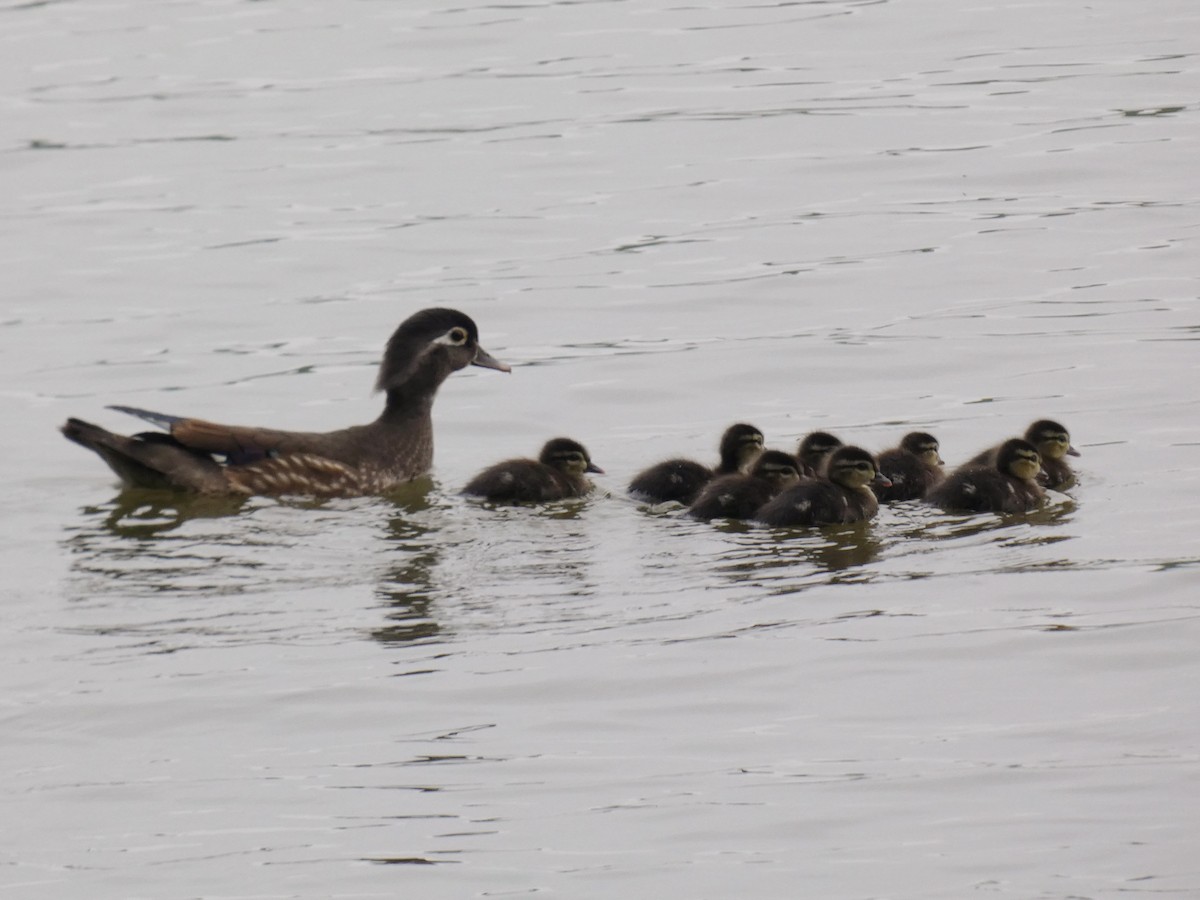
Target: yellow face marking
{"x": 855, "y": 473}
{"x": 1055, "y": 446}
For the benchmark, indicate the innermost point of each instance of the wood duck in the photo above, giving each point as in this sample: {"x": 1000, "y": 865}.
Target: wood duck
{"x": 740, "y": 496}
{"x": 557, "y": 473}
{"x": 814, "y": 451}
{"x": 1053, "y": 443}
{"x": 913, "y": 468}
{"x": 200, "y": 456}
{"x": 680, "y": 480}
{"x": 841, "y": 496}
{"x": 1008, "y": 484}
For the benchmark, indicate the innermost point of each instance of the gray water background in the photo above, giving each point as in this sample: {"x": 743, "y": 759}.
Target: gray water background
{"x": 857, "y": 216}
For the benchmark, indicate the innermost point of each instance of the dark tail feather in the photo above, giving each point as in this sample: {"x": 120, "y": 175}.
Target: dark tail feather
{"x": 150, "y": 460}
{"x": 160, "y": 420}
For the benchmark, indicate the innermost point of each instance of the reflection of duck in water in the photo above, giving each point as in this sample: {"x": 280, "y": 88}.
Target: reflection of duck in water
{"x": 1008, "y": 484}
{"x": 814, "y": 451}
{"x": 557, "y": 473}
{"x": 396, "y": 448}
{"x": 840, "y": 497}
{"x": 913, "y": 468}
{"x": 680, "y": 480}
{"x": 1053, "y": 444}
{"x": 740, "y": 496}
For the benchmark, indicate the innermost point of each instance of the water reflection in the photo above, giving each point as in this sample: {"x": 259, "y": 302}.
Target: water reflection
{"x": 140, "y": 514}
{"x": 406, "y": 588}
{"x": 819, "y": 551}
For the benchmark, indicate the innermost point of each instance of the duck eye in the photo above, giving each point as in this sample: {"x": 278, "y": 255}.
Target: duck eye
{"x": 458, "y": 335}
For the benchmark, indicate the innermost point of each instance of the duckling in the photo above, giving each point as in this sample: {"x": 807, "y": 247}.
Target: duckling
{"x": 740, "y": 496}
{"x": 207, "y": 458}
{"x": 1053, "y": 443}
{"x": 814, "y": 451}
{"x": 913, "y": 468}
{"x": 842, "y": 496}
{"x": 557, "y": 473}
{"x": 680, "y": 480}
{"x": 1006, "y": 485}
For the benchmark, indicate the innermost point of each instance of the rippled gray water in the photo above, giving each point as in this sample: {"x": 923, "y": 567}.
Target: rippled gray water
{"x": 856, "y": 216}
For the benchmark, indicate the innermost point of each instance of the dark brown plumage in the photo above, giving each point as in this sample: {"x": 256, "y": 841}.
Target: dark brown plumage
{"x": 195, "y": 455}
{"x": 680, "y": 480}
{"x": 1053, "y": 443}
{"x": 557, "y": 473}
{"x": 841, "y": 496}
{"x": 741, "y": 496}
{"x": 813, "y": 452}
{"x": 1008, "y": 484}
{"x": 913, "y": 468}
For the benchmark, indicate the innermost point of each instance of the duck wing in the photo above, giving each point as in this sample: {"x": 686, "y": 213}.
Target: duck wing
{"x": 239, "y": 445}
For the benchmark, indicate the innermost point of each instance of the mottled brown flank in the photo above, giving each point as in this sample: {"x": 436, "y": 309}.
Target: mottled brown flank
{"x": 300, "y": 473}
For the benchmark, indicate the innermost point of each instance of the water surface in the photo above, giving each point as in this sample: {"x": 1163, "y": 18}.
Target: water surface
{"x": 863, "y": 217}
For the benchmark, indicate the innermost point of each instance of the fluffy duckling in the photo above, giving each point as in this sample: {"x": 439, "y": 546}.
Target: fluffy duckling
{"x": 814, "y": 451}
{"x": 680, "y": 480}
{"x": 1008, "y": 484}
{"x": 913, "y": 468}
{"x": 1053, "y": 443}
{"x": 557, "y": 473}
{"x": 740, "y": 496}
{"x": 843, "y": 495}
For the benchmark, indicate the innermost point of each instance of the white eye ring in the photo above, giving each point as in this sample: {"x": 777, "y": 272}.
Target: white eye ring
{"x": 456, "y": 337}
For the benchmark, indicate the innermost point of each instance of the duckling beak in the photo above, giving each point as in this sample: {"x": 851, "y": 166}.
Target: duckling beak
{"x": 592, "y": 467}
{"x": 485, "y": 359}
{"x": 881, "y": 480}
{"x": 1071, "y": 451}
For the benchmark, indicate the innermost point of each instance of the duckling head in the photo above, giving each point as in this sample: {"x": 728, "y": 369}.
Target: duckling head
{"x": 568, "y": 456}
{"x": 815, "y": 448}
{"x": 1019, "y": 458}
{"x": 855, "y": 468}
{"x": 924, "y": 446}
{"x": 777, "y": 467}
{"x": 1052, "y": 440}
{"x": 740, "y": 446}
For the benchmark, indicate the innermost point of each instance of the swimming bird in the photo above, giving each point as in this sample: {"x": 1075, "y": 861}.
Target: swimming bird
{"x": 196, "y": 455}
{"x": 680, "y": 480}
{"x": 1053, "y": 443}
{"x": 913, "y": 467}
{"x": 1007, "y": 484}
{"x": 557, "y": 473}
{"x": 814, "y": 451}
{"x": 740, "y": 496}
{"x": 841, "y": 496}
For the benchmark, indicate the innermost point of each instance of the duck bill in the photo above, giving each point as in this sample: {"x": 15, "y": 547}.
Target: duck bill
{"x": 1071, "y": 451}
{"x": 487, "y": 361}
{"x": 881, "y": 480}
{"x": 595, "y": 469}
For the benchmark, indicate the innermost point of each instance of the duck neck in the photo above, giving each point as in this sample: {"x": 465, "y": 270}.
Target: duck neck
{"x": 412, "y": 397}
{"x": 405, "y": 405}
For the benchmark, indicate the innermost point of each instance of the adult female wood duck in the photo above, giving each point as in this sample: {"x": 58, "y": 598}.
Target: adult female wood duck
{"x": 741, "y": 496}
{"x": 680, "y": 480}
{"x": 557, "y": 473}
{"x": 1006, "y": 485}
{"x": 1053, "y": 443}
{"x": 913, "y": 468}
{"x": 814, "y": 451}
{"x": 841, "y": 496}
{"x": 200, "y": 456}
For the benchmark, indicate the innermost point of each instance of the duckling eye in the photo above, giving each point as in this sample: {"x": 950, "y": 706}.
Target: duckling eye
{"x": 457, "y": 335}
